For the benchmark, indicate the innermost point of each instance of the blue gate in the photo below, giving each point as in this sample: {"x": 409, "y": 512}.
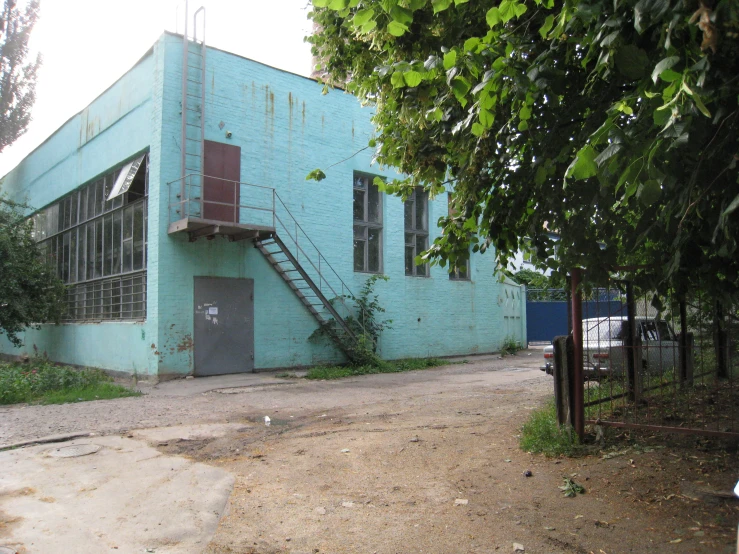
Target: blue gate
{"x": 546, "y": 312}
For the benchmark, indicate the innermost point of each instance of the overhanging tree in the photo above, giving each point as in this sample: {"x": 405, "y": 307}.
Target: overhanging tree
{"x": 614, "y": 123}
{"x": 17, "y": 73}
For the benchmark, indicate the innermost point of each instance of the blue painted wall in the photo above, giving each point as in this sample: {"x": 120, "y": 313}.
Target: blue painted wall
{"x": 285, "y": 127}
{"x": 111, "y": 129}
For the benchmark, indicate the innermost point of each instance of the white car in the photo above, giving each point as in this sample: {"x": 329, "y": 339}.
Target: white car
{"x": 604, "y": 350}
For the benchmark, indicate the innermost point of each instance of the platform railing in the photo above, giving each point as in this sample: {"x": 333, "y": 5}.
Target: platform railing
{"x": 261, "y": 208}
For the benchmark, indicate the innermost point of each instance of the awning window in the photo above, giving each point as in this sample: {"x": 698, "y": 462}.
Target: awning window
{"x": 126, "y": 177}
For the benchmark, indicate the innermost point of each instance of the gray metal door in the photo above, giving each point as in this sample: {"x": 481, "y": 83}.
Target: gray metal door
{"x": 224, "y": 325}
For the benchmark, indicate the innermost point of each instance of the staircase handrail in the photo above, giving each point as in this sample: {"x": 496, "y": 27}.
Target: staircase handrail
{"x": 184, "y": 200}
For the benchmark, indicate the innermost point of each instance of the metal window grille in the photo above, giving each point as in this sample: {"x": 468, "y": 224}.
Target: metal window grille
{"x": 119, "y": 298}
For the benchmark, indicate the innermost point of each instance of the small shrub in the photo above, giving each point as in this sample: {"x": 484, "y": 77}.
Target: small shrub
{"x": 364, "y": 325}
{"x": 542, "y": 434}
{"x": 510, "y": 346}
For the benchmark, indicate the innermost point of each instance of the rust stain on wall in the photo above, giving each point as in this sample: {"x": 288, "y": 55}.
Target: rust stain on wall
{"x": 186, "y": 344}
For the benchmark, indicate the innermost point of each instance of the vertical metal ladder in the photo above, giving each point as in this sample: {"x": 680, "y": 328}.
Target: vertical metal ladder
{"x": 193, "y": 105}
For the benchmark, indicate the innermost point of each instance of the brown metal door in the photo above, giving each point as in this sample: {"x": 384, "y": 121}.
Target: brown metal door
{"x": 222, "y": 168}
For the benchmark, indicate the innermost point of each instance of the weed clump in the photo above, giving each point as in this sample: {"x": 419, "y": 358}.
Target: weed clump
{"x": 542, "y": 434}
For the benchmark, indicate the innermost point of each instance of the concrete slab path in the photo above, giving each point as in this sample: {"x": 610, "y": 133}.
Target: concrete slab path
{"x": 126, "y": 497}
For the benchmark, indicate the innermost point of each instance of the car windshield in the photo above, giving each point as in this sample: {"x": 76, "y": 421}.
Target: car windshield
{"x": 656, "y": 330}
{"x": 604, "y": 329}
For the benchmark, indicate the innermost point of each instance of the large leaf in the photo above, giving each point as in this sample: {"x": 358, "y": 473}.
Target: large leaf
{"x": 584, "y": 166}
{"x": 663, "y": 65}
{"x": 649, "y": 192}
{"x": 412, "y": 78}
{"x": 631, "y": 62}
{"x": 396, "y": 28}
{"x": 440, "y": 5}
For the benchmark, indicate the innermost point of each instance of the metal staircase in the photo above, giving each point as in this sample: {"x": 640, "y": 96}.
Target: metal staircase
{"x": 265, "y": 219}
{"x": 308, "y": 292}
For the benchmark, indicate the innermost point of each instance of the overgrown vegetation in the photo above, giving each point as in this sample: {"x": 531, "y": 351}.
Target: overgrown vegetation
{"x": 397, "y": 366}
{"x": 541, "y": 434}
{"x": 509, "y": 346}
{"x": 42, "y": 382}
{"x": 365, "y": 326}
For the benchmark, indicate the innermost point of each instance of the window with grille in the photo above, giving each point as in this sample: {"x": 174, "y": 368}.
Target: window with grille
{"x": 416, "y": 232}
{"x": 367, "y": 224}
{"x": 95, "y": 238}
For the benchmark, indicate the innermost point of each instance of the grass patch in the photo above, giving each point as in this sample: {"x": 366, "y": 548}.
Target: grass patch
{"x": 101, "y": 391}
{"x": 542, "y": 434}
{"x": 398, "y": 366}
{"x": 43, "y": 382}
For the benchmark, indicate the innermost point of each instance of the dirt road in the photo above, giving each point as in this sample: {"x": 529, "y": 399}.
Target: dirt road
{"x": 417, "y": 462}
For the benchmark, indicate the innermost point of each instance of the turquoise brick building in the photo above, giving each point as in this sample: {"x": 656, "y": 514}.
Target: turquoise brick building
{"x": 176, "y": 208}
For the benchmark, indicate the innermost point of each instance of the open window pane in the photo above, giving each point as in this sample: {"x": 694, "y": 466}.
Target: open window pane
{"x": 125, "y": 177}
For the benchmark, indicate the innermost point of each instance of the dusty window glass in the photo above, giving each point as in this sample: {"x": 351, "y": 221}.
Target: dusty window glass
{"x": 416, "y": 232}
{"x": 367, "y": 209}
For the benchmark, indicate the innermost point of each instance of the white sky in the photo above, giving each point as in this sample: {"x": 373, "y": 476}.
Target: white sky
{"x": 88, "y": 44}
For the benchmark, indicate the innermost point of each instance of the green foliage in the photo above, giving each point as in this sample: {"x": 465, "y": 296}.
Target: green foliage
{"x": 398, "y": 366}
{"x": 315, "y": 175}
{"x": 30, "y": 292}
{"x": 532, "y": 279}
{"x": 541, "y": 434}
{"x": 364, "y": 326}
{"x": 101, "y": 391}
{"x": 510, "y": 346}
{"x": 40, "y": 380}
{"x": 17, "y": 78}
{"x": 570, "y": 488}
{"x": 614, "y": 123}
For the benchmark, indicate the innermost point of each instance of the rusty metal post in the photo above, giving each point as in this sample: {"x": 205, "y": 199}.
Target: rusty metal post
{"x": 631, "y": 346}
{"x": 578, "y": 399}
{"x": 683, "y": 342}
{"x": 720, "y": 342}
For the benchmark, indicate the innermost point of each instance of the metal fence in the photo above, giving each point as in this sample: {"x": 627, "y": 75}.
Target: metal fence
{"x": 661, "y": 363}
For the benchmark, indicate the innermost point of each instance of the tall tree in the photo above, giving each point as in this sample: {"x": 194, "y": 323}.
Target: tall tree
{"x": 615, "y": 123}
{"x": 17, "y": 74}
